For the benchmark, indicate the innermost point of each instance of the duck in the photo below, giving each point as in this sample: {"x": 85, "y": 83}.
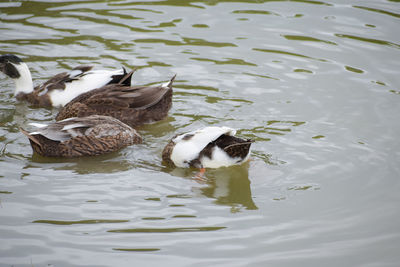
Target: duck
{"x": 133, "y": 105}
{"x": 76, "y": 137}
{"x": 60, "y": 89}
{"x": 209, "y": 147}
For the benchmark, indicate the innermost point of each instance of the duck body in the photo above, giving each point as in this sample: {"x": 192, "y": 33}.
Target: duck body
{"x": 61, "y": 88}
{"x": 210, "y": 147}
{"x": 87, "y": 136}
{"x": 131, "y": 105}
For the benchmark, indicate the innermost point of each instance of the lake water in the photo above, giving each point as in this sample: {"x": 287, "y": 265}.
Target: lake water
{"x": 315, "y": 83}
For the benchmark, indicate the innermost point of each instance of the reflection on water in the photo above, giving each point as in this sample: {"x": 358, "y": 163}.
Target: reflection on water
{"x": 85, "y": 165}
{"x": 230, "y": 186}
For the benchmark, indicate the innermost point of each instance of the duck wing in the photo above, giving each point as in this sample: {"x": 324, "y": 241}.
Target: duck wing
{"x": 59, "y": 80}
{"x": 73, "y": 127}
{"x": 132, "y": 105}
{"x": 235, "y": 147}
{"x": 83, "y": 79}
{"x": 122, "y": 97}
{"x": 86, "y": 136}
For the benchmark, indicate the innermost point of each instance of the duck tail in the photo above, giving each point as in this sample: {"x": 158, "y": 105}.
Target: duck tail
{"x": 169, "y": 84}
{"x": 31, "y": 138}
{"x": 247, "y": 142}
{"x": 127, "y": 78}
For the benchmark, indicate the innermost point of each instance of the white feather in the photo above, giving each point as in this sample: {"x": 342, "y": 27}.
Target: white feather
{"x": 68, "y": 119}
{"x": 38, "y": 125}
{"x": 187, "y": 150}
{"x": 73, "y": 133}
{"x": 24, "y": 83}
{"x": 72, "y": 126}
{"x": 91, "y": 80}
{"x": 165, "y": 85}
{"x": 221, "y": 159}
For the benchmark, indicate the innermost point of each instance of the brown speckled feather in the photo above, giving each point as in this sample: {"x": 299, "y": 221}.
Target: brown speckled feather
{"x": 167, "y": 151}
{"x": 87, "y": 136}
{"x": 132, "y": 105}
{"x": 35, "y": 99}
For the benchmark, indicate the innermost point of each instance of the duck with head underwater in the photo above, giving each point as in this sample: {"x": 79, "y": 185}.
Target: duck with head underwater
{"x": 61, "y": 88}
{"x": 76, "y": 137}
{"x": 133, "y": 105}
{"x": 210, "y": 147}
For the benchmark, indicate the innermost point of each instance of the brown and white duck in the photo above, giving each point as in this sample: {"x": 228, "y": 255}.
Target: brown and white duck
{"x": 61, "y": 88}
{"x": 210, "y": 147}
{"x": 76, "y": 137}
{"x": 133, "y": 105}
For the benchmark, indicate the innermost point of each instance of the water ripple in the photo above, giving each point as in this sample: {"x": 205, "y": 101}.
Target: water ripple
{"x": 380, "y": 11}
{"x": 93, "y": 221}
{"x": 307, "y": 39}
{"x": 298, "y": 77}
{"x": 367, "y": 40}
{"x": 166, "y": 230}
{"x": 185, "y": 41}
{"x": 275, "y": 51}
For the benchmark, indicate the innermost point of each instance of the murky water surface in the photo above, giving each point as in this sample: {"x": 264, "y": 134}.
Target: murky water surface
{"x": 314, "y": 83}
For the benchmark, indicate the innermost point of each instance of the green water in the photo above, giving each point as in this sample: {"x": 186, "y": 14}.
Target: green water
{"x": 315, "y": 84}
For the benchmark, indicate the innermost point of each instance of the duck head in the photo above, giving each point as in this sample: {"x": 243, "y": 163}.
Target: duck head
{"x": 16, "y": 69}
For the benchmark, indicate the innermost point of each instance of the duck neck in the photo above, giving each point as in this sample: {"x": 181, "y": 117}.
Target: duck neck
{"x": 23, "y": 84}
